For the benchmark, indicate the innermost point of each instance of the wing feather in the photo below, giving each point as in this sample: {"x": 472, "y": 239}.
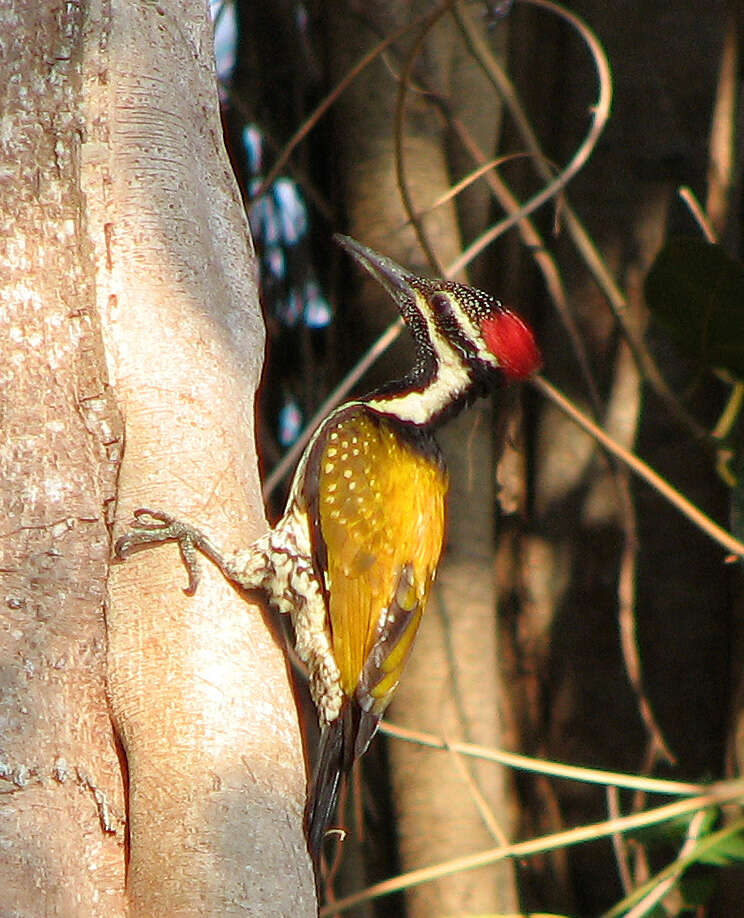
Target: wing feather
{"x": 381, "y": 512}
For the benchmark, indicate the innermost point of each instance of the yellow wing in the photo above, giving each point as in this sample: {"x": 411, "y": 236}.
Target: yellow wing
{"x": 381, "y": 515}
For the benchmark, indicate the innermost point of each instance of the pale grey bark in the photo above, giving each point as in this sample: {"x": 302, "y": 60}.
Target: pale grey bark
{"x": 61, "y": 794}
{"x": 128, "y": 264}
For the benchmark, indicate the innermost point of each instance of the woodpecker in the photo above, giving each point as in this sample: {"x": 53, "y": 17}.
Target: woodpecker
{"x": 353, "y": 557}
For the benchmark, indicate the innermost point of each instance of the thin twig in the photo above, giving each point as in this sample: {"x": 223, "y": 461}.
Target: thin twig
{"x": 600, "y": 113}
{"x": 468, "y": 180}
{"x": 481, "y": 804}
{"x": 581, "y": 239}
{"x": 543, "y": 259}
{"x": 699, "y": 215}
{"x": 694, "y": 853}
{"x": 542, "y": 767}
{"x": 618, "y": 841}
{"x": 716, "y": 795}
{"x": 643, "y": 470}
{"x": 723, "y": 147}
{"x": 333, "y": 95}
{"x": 626, "y": 594}
{"x": 662, "y": 888}
{"x": 398, "y": 136}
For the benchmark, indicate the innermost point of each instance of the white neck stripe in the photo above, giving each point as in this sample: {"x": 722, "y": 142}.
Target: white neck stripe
{"x": 453, "y": 376}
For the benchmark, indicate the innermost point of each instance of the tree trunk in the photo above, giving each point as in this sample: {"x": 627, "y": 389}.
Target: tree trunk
{"x": 129, "y": 294}
{"x": 60, "y": 446}
{"x": 450, "y": 685}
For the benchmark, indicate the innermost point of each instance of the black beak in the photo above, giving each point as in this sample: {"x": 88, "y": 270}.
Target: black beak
{"x": 395, "y": 279}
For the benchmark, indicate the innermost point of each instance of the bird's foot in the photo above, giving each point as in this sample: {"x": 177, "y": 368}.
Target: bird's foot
{"x": 153, "y": 527}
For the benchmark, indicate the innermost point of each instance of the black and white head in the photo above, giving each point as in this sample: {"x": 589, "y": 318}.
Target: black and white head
{"x": 467, "y": 336}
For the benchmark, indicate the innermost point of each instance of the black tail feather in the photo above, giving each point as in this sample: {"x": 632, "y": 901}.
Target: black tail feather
{"x": 321, "y": 801}
{"x": 341, "y": 742}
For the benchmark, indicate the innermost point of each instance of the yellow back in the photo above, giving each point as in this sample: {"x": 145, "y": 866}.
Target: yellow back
{"x": 381, "y": 505}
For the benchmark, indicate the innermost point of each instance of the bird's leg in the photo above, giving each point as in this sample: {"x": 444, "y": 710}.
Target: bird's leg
{"x": 154, "y": 526}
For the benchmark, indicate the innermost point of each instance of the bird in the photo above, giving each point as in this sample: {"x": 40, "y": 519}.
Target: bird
{"x": 354, "y": 555}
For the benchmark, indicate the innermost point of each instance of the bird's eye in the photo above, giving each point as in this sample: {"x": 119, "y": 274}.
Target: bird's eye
{"x": 441, "y": 303}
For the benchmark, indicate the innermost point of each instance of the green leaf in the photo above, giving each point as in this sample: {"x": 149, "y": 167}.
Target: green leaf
{"x": 727, "y": 849}
{"x": 696, "y": 291}
{"x": 720, "y": 848}
{"x": 671, "y": 833}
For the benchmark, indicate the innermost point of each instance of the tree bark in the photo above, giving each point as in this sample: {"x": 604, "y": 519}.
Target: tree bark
{"x": 62, "y": 826}
{"x": 128, "y": 270}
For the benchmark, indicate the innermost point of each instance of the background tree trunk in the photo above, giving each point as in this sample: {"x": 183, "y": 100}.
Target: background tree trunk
{"x": 128, "y": 264}
{"x": 451, "y": 681}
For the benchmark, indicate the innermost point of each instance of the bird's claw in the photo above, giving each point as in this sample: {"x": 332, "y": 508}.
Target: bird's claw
{"x": 160, "y": 527}
{"x": 151, "y": 527}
